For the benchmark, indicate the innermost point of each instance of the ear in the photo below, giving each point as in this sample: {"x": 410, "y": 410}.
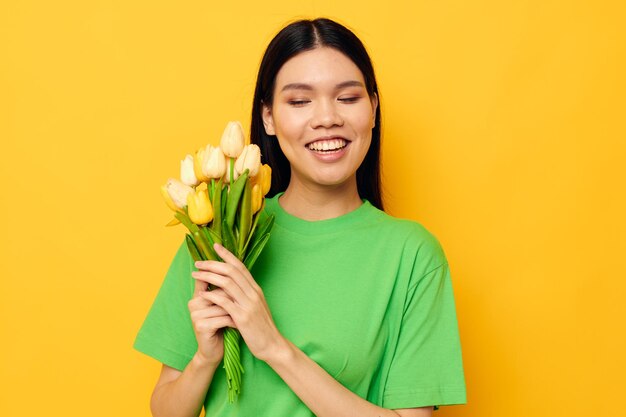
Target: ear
{"x": 374, "y": 101}
{"x": 268, "y": 120}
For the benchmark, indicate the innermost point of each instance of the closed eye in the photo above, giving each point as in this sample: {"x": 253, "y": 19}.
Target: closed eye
{"x": 349, "y": 99}
{"x": 298, "y": 102}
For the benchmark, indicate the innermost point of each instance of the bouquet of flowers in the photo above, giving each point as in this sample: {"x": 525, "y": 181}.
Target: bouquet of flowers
{"x": 219, "y": 199}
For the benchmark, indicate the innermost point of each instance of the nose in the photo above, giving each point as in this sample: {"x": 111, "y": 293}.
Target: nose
{"x": 326, "y": 114}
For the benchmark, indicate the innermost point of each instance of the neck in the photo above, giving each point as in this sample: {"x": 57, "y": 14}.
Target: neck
{"x": 314, "y": 202}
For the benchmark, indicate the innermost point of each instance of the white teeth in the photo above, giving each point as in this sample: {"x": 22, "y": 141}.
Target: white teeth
{"x": 327, "y": 145}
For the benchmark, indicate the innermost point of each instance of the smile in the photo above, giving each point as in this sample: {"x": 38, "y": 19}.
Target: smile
{"x": 328, "y": 145}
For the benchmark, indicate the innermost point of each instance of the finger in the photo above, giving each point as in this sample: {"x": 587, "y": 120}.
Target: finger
{"x": 247, "y": 285}
{"x": 209, "y": 312}
{"x": 198, "y": 303}
{"x": 229, "y": 281}
{"x": 220, "y": 298}
{"x": 199, "y": 286}
{"x": 231, "y": 259}
{"x": 213, "y": 324}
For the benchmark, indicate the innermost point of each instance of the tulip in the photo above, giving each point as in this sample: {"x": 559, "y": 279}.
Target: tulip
{"x": 249, "y": 159}
{"x": 175, "y": 194}
{"x": 199, "y": 207}
{"x": 232, "y": 141}
{"x": 263, "y": 178}
{"x": 198, "y": 161}
{"x": 168, "y": 199}
{"x": 257, "y": 198}
{"x": 214, "y": 164}
{"x": 172, "y": 222}
{"x": 266, "y": 178}
{"x": 227, "y": 174}
{"x": 187, "y": 175}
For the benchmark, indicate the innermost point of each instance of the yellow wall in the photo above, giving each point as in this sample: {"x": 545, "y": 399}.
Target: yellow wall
{"x": 503, "y": 134}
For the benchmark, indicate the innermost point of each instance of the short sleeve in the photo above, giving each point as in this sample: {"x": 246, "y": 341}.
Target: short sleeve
{"x": 426, "y": 368}
{"x": 167, "y": 333}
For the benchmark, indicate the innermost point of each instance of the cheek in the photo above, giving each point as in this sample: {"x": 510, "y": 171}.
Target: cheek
{"x": 289, "y": 123}
{"x": 366, "y": 146}
{"x": 366, "y": 124}
{"x": 363, "y": 119}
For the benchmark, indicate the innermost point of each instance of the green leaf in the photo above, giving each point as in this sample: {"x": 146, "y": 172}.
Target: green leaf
{"x": 203, "y": 244}
{"x": 207, "y": 234}
{"x": 267, "y": 225}
{"x": 215, "y": 237}
{"x": 228, "y": 239}
{"x": 252, "y": 229}
{"x": 210, "y": 187}
{"x": 224, "y": 199}
{"x": 184, "y": 219}
{"x": 256, "y": 251}
{"x": 245, "y": 217}
{"x": 261, "y": 230}
{"x": 216, "y": 225}
{"x": 193, "y": 249}
{"x": 234, "y": 195}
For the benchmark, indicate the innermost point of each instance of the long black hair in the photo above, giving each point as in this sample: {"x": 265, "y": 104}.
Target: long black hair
{"x": 300, "y": 36}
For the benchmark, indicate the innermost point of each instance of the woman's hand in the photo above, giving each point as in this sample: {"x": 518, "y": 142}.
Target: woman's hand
{"x": 240, "y": 297}
{"x": 207, "y": 319}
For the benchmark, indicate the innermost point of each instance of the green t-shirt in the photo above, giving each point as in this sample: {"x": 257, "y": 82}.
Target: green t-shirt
{"x": 365, "y": 295}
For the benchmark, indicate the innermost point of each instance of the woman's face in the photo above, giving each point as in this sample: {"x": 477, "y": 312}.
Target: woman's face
{"x": 322, "y": 116}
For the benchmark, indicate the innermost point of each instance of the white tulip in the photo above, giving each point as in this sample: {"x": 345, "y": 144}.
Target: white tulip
{"x": 178, "y": 192}
{"x": 250, "y": 159}
{"x": 187, "y": 175}
{"x": 227, "y": 173}
{"x": 232, "y": 141}
{"x": 214, "y": 163}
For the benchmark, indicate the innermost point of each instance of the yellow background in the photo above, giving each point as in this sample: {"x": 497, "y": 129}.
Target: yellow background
{"x": 503, "y": 134}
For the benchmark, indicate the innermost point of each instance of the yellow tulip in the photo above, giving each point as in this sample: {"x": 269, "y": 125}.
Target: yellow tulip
{"x": 175, "y": 194}
{"x": 173, "y": 222}
{"x": 266, "y": 179}
{"x": 257, "y": 198}
{"x": 263, "y": 178}
{"x": 198, "y": 160}
{"x": 249, "y": 159}
{"x": 232, "y": 141}
{"x": 199, "y": 207}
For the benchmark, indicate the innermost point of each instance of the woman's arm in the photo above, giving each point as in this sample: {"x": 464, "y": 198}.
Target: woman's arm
{"x": 242, "y": 298}
{"x": 322, "y": 393}
{"x": 181, "y": 394}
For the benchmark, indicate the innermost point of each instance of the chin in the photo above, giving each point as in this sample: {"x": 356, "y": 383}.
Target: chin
{"x": 332, "y": 181}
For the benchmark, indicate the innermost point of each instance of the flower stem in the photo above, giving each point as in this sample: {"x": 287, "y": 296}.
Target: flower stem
{"x": 232, "y": 170}
{"x": 232, "y": 362}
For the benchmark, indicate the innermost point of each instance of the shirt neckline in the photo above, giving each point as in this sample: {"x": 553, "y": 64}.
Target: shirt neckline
{"x": 335, "y": 224}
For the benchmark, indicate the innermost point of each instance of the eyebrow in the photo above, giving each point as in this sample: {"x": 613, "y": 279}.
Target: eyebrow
{"x": 303, "y": 86}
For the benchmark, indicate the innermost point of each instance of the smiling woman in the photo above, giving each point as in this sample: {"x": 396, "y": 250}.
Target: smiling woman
{"x": 322, "y": 117}
{"x": 348, "y": 311}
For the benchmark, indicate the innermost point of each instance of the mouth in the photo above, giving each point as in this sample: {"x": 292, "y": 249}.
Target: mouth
{"x": 328, "y": 145}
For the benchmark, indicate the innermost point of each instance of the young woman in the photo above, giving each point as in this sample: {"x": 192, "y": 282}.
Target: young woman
{"x": 348, "y": 311}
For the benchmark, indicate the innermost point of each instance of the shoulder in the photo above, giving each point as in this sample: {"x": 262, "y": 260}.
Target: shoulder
{"x": 178, "y": 277}
{"x": 414, "y": 235}
{"x": 416, "y": 240}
